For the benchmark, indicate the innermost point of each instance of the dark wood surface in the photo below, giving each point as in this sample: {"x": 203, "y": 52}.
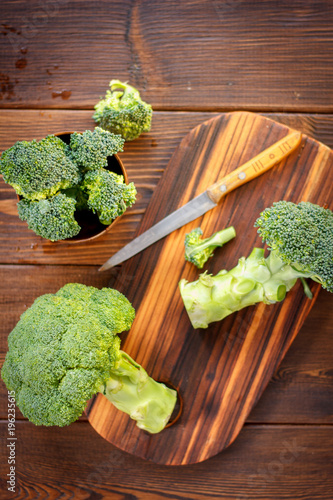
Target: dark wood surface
{"x": 190, "y": 60}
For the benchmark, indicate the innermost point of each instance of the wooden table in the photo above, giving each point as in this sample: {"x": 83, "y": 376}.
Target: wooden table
{"x": 191, "y": 60}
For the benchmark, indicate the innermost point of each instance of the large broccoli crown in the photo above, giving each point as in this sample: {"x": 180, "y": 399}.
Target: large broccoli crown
{"x": 62, "y": 349}
{"x": 108, "y": 195}
{"x": 37, "y": 170}
{"x": 122, "y": 111}
{"x": 51, "y": 218}
{"x": 90, "y": 149}
{"x": 302, "y": 236}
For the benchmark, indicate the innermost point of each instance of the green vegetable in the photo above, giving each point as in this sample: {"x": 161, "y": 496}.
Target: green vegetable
{"x": 123, "y": 112}
{"x": 90, "y": 149}
{"x": 38, "y": 170}
{"x": 198, "y": 250}
{"x": 108, "y": 195}
{"x": 300, "y": 240}
{"x": 55, "y": 181}
{"x": 52, "y": 218}
{"x": 65, "y": 349}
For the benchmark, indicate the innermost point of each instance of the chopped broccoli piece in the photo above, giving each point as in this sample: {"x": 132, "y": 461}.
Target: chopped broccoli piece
{"x": 65, "y": 349}
{"x": 108, "y": 195}
{"x": 300, "y": 240}
{"x": 38, "y": 170}
{"x": 52, "y": 218}
{"x": 198, "y": 250}
{"x": 122, "y": 111}
{"x": 90, "y": 149}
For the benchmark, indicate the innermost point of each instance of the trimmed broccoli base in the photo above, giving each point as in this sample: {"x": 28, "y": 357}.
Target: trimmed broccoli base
{"x": 132, "y": 391}
{"x": 253, "y": 280}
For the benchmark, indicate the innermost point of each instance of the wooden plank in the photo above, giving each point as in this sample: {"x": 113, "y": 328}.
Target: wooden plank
{"x": 218, "y": 378}
{"x": 301, "y": 391}
{"x": 266, "y": 462}
{"x": 145, "y": 160}
{"x": 193, "y": 55}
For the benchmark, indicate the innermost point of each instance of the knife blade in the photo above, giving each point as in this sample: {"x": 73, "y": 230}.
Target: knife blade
{"x": 208, "y": 199}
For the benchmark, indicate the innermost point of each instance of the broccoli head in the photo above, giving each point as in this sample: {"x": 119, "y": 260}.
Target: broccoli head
{"x": 90, "y": 149}
{"x": 51, "y": 218}
{"x": 65, "y": 349}
{"x": 302, "y": 236}
{"x": 300, "y": 241}
{"x": 38, "y": 170}
{"x": 122, "y": 111}
{"x": 198, "y": 250}
{"x": 108, "y": 195}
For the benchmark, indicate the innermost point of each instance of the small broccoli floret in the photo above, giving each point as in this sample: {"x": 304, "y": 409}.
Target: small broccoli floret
{"x": 38, "y": 170}
{"x": 122, "y": 111}
{"x": 65, "y": 349}
{"x": 300, "y": 240}
{"x": 198, "y": 250}
{"x": 108, "y": 195}
{"x": 90, "y": 149}
{"x": 51, "y": 218}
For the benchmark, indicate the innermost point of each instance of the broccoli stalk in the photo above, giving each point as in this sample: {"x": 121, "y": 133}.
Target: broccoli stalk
{"x": 65, "y": 349}
{"x": 300, "y": 239}
{"x": 123, "y": 112}
{"x": 131, "y": 390}
{"x": 198, "y": 250}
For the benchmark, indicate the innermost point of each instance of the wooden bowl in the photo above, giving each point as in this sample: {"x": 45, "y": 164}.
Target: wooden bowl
{"x": 91, "y": 227}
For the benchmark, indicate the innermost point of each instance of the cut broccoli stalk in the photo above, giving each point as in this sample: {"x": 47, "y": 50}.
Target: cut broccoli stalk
{"x": 132, "y": 391}
{"x": 300, "y": 238}
{"x": 198, "y": 250}
{"x": 253, "y": 280}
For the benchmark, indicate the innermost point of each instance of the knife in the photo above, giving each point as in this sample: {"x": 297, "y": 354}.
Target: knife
{"x": 209, "y": 198}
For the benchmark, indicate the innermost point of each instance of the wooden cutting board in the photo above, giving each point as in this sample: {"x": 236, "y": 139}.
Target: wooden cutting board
{"x": 221, "y": 372}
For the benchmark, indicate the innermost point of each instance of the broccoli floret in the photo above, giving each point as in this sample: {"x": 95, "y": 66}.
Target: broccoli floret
{"x": 38, "y": 170}
{"x": 52, "y": 218}
{"x": 198, "y": 250}
{"x": 90, "y": 149}
{"x": 108, "y": 195}
{"x": 65, "y": 349}
{"x": 300, "y": 240}
{"x": 302, "y": 236}
{"x": 52, "y": 172}
{"x": 122, "y": 111}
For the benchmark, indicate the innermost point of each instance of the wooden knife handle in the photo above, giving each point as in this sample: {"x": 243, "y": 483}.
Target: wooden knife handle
{"x": 255, "y": 167}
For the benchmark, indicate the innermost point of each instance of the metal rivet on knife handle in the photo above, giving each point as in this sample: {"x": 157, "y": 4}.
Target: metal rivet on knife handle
{"x": 255, "y": 167}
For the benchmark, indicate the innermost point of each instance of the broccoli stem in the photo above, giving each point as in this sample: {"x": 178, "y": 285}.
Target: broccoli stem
{"x": 217, "y": 239}
{"x": 253, "y": 280}
{"x": 132, "y": 391}
{"x": 124, "y": 87}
